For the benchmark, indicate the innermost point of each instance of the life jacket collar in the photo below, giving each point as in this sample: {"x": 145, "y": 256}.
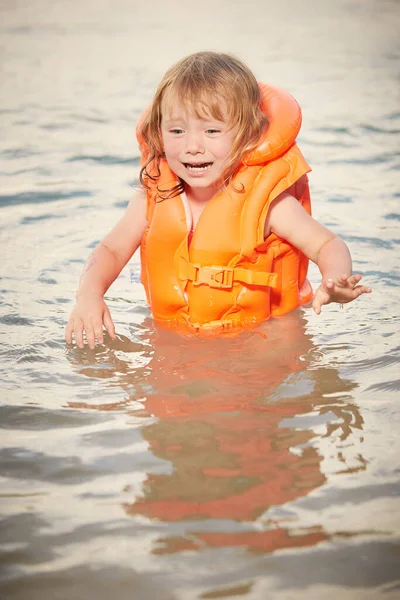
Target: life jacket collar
{"x": 284, "y": 122}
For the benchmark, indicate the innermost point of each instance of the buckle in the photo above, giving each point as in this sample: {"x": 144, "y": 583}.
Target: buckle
{"x": 210, "y": 326}
{"x": 215, "y": 277}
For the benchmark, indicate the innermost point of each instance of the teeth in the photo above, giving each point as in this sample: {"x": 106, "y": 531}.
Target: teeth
{"x": 199, "y": 167}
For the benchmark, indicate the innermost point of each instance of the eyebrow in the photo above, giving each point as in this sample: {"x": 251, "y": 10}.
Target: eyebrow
{"x": 211, "y": 120}
{"x": 174, "y": 120}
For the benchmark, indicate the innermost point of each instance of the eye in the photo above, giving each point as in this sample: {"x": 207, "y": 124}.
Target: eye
{"x": 213, "y": 131}
{"x": 176, "y": 131}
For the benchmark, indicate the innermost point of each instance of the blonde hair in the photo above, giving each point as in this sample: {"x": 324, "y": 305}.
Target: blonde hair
{"x": 200, "y": 81}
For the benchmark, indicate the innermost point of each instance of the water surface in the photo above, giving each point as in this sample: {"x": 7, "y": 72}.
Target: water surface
{"x": 263, "y": 466}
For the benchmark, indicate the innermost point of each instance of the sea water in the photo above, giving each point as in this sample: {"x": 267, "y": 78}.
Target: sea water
{"x": 163, "y": 467}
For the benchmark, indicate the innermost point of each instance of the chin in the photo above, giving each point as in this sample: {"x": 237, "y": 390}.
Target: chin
{"x": 203, "y": 182}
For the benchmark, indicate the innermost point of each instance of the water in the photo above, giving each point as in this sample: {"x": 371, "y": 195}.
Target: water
{"x": 264, "y": 466}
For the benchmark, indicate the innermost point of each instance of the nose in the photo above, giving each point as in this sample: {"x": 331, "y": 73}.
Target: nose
{"x": 194, "y": 143}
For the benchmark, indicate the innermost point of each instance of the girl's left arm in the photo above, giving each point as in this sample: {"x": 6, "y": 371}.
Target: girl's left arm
{"x": 288, "y": 220}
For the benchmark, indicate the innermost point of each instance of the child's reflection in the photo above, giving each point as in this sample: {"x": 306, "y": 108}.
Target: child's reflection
{"x": 227, "y": 413}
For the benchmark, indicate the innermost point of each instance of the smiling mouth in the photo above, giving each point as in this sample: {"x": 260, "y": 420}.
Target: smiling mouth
{"x": 198, "y": 166}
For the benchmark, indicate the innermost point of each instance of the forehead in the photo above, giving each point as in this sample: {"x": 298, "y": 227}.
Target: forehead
{"x": 204, "y": 105}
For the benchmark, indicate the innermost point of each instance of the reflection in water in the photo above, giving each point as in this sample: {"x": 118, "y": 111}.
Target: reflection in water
{"x": 74, "y": 83}
{"x": 235, "y": 420}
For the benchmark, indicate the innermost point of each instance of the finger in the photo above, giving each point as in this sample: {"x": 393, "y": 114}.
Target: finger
{"x": 90, "y": 337}
{"x": 342, "y": 281}
{"x": 68, "y": 332}
{"x": 316, "y": 306}
{"x": 98, "y": 332}
{"x": 354, "y": 279}
{"x": 329, "y": 283}
{"x": 352, "y": 294}
{"x": 362, "y": 289}
{"x": 109, "y": 324}
{"x": 78, "y": 333}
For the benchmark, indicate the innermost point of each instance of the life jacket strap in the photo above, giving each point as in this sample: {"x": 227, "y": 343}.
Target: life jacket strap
{"x": 223, "y": 277}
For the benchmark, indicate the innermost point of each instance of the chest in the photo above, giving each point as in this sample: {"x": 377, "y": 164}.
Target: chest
{"x": 193, "y": 212}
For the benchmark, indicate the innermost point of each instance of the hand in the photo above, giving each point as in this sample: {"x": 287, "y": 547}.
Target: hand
{"x": 344, "y": 289}
{"x": 89, "y": 316}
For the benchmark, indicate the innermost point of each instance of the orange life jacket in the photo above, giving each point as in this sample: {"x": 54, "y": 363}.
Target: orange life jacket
{"x": 229, "y": 276}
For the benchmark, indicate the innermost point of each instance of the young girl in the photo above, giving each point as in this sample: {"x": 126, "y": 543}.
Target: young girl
{"x": 223, "y": 216}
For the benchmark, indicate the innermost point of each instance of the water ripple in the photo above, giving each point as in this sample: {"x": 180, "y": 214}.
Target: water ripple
{"x": 386, "y": 386}
{"x": 44, "y": 277}
{"x": 374, "y": 129}
{"x": 44, "y": 217}
{"x": 376, "y": 363}
{"x": 370, "y": 241}
{"x": 106, "y": 159}
{"x": 392, "y": 216}
{"x": 370, "y": 160}
{"x": 39, "y": 419}
{"x": 41, "y": 197}
{"x": 15, "y": 319}
{"x": 340, "y": 199}
{"x": 17, "y": 153}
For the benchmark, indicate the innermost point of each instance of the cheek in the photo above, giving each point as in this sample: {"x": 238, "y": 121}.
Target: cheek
{"x": 171, "y": 147}
{"x": 226, "y": 149}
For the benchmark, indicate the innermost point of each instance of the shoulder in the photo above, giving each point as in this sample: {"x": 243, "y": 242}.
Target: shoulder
{"x": 134, "y": 219}
{"x": 125, "y": 237}
{"x": 138, "y": 204}
{"x": 290, "y": 221}
{"x": 284, "y": 210}
{"x": 139, "y": 196}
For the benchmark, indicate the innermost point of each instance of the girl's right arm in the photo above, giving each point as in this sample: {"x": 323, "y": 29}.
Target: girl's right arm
{"x": 102, "y": 268}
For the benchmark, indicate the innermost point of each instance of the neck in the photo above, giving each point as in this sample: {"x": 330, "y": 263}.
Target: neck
{"x": 201, "y": 195}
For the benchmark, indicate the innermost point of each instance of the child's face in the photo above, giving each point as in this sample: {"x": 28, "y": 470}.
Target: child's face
{"x": 197, "y": 149}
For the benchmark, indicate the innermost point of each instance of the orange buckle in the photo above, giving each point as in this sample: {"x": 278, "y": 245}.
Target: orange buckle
{"x": 212, "y": 325}
{"x": 215, "y": 277}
